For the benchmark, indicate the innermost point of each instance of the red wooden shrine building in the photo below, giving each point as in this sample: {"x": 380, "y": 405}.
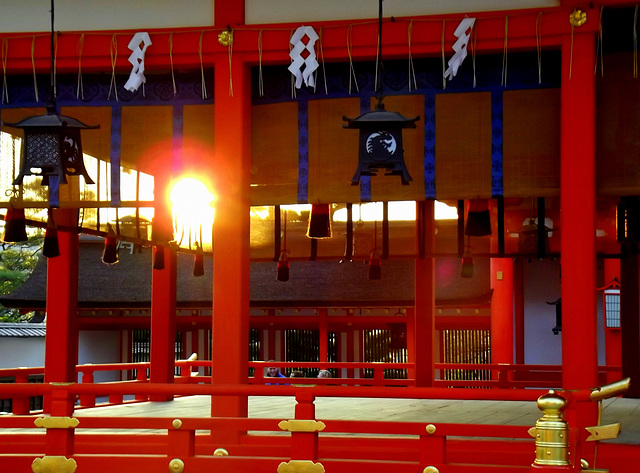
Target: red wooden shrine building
{"x": 536, "y": 130}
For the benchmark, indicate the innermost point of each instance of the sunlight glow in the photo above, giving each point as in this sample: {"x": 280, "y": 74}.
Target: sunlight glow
{"x": 192, "y": 212}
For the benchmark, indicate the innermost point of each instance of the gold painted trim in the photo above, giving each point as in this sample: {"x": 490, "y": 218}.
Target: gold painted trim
{"x": 56, "y": 422}
{"x": 533, "y": 432}
{"x": 220, "y": 452}
{"x": 610, "y": 390}
{"x": 54, "y": 464}
{"x": 176, "y": 424}
{"x": 176, "y": 466}
{"x": 431, "y": 429}
{"x": 225, "y": 38}
{"x": 55, "y": 383}
{"x": 431, "y": 469}
{"x": 300, "y": 466}
{"x": 302, "y": 425}
{"x": 578, "y": 18}
{"x": 603, "y": 432}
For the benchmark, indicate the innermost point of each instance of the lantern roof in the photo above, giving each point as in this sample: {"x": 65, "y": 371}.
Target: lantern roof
{"x": 381, "y": 117}
{"x": 50, "y": 120}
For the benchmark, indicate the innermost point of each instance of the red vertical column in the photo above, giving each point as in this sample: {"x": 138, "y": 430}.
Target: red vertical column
{"x": 232, "y": 163}
{"x": 61, "y": 343}
{"x": 518, "y": 296}
{"x": 324, "y": 335}
{"x": 502, "y": 310}
{"x": 577, "y": 199}
{"x": 612, "y": 336}
{"x": 425, "y": 297}
{"x": 163, "y": 323}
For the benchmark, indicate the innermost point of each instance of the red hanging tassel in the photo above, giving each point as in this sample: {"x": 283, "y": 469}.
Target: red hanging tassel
{"x": 467, "y": 267}
{"x": 375, "y": 265}
{"x": 282, "y": 274}
{"x": 319, "y": 221}
{"x": 15, "y": 229}
{"x": 50, "y": 247}
{"x": 198, "y": 261}
{"x": 110, "y": 253}
{"x": 478, "y": 218}
{"x": 158, "y": 257}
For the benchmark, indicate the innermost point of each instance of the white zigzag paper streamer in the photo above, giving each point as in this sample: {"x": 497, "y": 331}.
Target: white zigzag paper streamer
{"x": 136, "y": 78}
{"x": 460, "y": 47}
{"x": 298, "y": 61}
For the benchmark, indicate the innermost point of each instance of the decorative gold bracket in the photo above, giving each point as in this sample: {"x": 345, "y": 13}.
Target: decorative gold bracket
{"x": 225, "y": 38}
{"x": 301, "y": 425}
{"x": 54, "y": 464}
{"x": 56, "y": 422}
{"x": 176, "y": 466}
{"x": 603, "y": 432}
{"x": 300, "y": 466}
{"x": 578, "y": 18}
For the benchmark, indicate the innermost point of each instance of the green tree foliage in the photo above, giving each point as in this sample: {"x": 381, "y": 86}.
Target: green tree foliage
{"x": 16, "y": 264}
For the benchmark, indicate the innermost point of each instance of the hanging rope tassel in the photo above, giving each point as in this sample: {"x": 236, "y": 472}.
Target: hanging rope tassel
{"x": 352, "y": 72}
{"x": 33, "y": 66}
{"x": 5, "y": 53}
{"x": 113, "y": 52}
{"x": 173, "y": 76}
{"x": 505, "y": 52}
{"x": 412, "y": 72}
{"x": 203, "y": 83}
{"x": 539, "y": 45}
{"x": 80, "y": 86}
{"x": 444, "y": 67}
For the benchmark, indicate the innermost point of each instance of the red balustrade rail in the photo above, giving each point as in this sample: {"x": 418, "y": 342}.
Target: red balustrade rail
{"x": 504, "y": 376}
{"x": 341, "y": 446}
{"x": 134, "y": 444}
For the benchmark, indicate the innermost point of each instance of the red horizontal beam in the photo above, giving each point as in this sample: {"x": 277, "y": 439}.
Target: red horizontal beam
{"x": 181, "y": 45}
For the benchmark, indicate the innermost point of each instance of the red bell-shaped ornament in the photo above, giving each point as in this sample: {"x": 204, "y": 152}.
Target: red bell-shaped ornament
{"x": 110, "y": 253}
{"x": 198, "y": 261}
{"x": 15, "y": 229}
{"x": 50, "y": 247}
{"x": 282, "y": 273}
{"x": 375, "y": 265}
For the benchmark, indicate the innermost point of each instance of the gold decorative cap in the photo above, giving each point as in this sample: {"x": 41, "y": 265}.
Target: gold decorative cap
{"x": 552, "y": 404}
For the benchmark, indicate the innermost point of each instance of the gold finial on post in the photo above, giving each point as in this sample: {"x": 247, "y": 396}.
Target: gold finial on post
{"x": 551, "y": 431}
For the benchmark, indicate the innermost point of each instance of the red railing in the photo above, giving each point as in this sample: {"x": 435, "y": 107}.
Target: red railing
{"x": 261, "y": 444}
{"x": 504, "y": 376}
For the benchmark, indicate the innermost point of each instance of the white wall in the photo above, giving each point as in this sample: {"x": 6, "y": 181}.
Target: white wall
{"x": 98, "y": 347}
{"x": 91, "y": 15}
{"x": 542, "y": 285}
{"x": 21, "y": 351}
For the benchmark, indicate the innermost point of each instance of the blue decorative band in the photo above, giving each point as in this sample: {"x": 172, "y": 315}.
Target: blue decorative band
{"x": 177, "y": 137}
{"x": 365, "y": 181}
{"x": 497, "y": 188}
{"x": 303, "y": 151}
{"x": 430, "y": 146}
{"x": 116, "y": 133}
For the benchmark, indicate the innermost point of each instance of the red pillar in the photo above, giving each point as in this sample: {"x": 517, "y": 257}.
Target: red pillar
{"x": 577, "y": 197}
{"x": 518, "y": 296}
{"x": 612, "y": 338}
{"x": 232, "y": 163}
{"x": 61, "y": 343}
{"x": 425, "y": 297}
{"x": 324, "y": 335}
{"x": 163, "y": 323}
{"x": 502, "y": 310}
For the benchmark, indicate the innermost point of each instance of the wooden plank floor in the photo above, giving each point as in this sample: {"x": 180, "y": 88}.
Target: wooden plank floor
{"x": 625, "y": 411}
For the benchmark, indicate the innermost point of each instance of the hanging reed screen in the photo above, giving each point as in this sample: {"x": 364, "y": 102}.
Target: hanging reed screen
{"x": 377, "y": 349}
{"x": 466, "y": 346}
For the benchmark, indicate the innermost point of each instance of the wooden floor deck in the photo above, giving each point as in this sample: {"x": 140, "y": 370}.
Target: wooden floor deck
{"x": 625, "y": 411}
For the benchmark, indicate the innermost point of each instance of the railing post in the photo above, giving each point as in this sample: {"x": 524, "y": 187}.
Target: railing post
{"x": 141, "y": 376}
{"x": 181, "y": 444}
{"x": 432, "y": 449}
{"x": 20, "y": 404}
{"x": 87, "y": 400}
{"x": 552, "y": 435}
{"x": 304, "y": 434}
{"x": 378, "y": 375}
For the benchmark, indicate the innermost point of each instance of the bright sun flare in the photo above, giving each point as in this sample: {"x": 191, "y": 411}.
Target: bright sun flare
{"x": 192, "y": 210}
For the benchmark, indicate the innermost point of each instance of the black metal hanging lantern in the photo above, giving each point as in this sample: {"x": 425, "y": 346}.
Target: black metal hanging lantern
{"x": 381, "y": 143}
{"x": 381, "y": 132}
{"x": 51, "y": 145}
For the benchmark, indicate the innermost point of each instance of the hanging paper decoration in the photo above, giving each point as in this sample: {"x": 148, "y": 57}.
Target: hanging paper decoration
{"x": 463, "y": 33}
{"x": 303, "y": 54}
{"x": 138, "y": 44}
